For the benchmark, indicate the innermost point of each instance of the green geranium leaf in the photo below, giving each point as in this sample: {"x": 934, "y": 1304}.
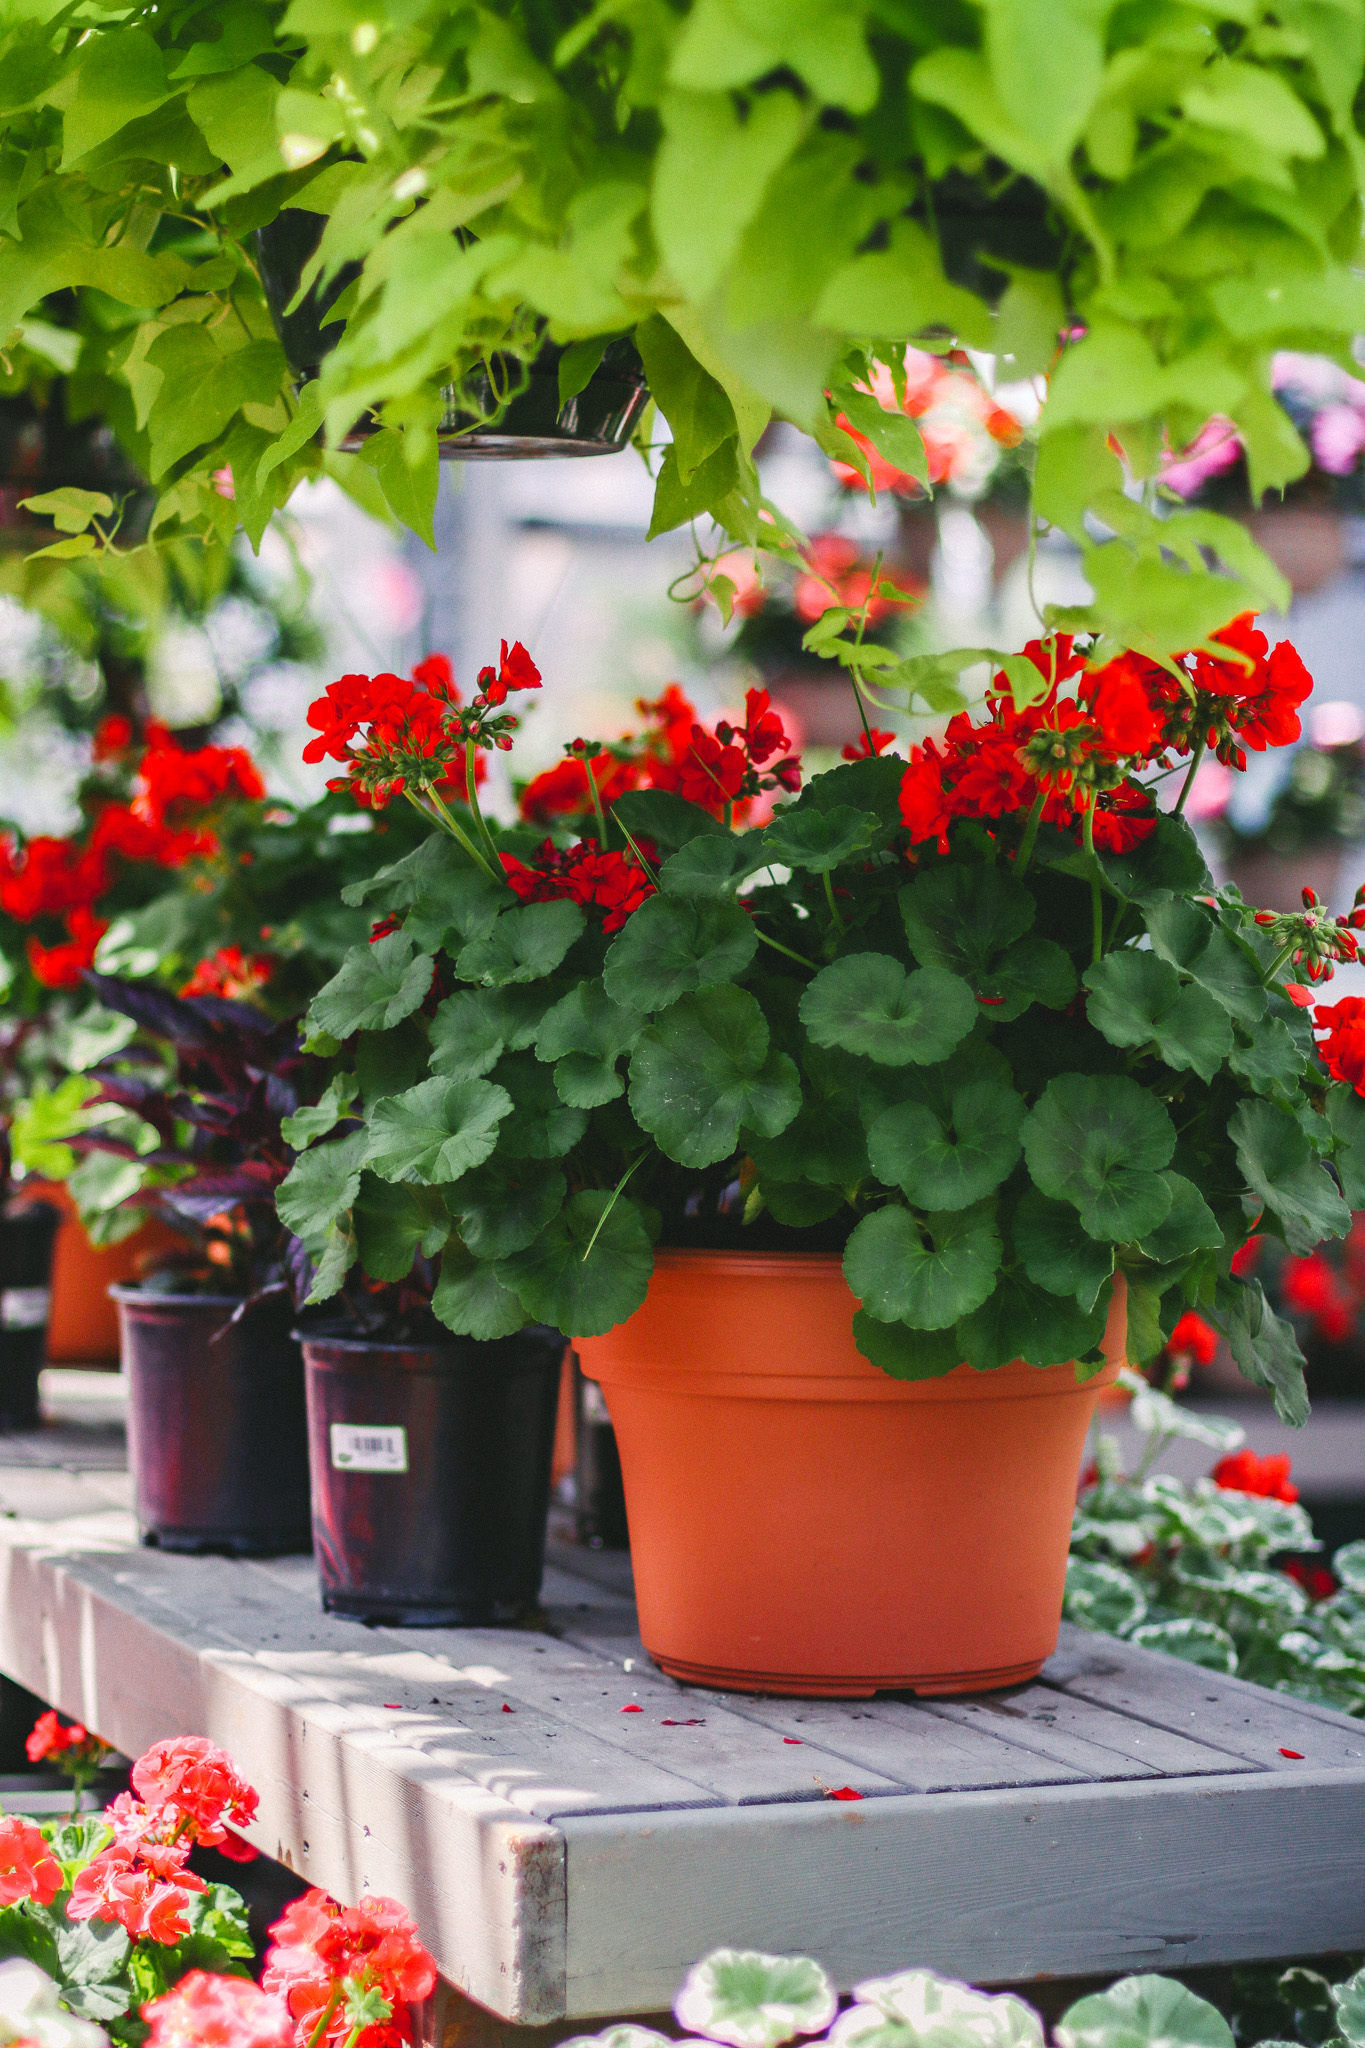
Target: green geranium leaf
{"x": 524, "y": 945}
{"x": 454, "y": 907}
{"x": 374, "y": 989}
{"x": 669, "y": 820}
{"x": 472, "y": 1029}
{"x": 503, "y": 1207}
{"x": 1136, "y": 999}
{"x": 435, "y": 1132}
{"x": 675, "y": 945}
{"x": 963, "y": 918}
{"x": 1190, "y": 937}
{"x": 819, "y": 841}
{"x": 471, "y": 1299}
{"x": 1102, "y": 1596}
{"x": 750, "y": 2000}
{"x": 322, "y": 1116}
{"x": 710, "y": 865}
{"x": 1263, "y": 1346}
{"x": 952, "y": 1162}
{"x": 542, "y": 1125}
{"x": 1022, "y": 1320}
{"x": 1189, "y": 1225}
{"x": 1346, "y": 1115}
{"x": 868, "y": 1003}
{"x": 387, "y": 1062}
{"x": 800, "y": 1203}
{"x": 925, "y": 1275}
{"x": 1349, "y": 2000}
{"x": 585, "y": 1034}
{"x": 872, "y": 784}
{"x": 1145, "y": 2012}
{"x": 1168, "y": 860}
{"x": 320, "y": 1188}
{"x": 1197, "y": 1642}
{"x": 1281, "y": 1166}
{"x": 1100, "y": 1142}
{"x": 393, "y": 1224}
{"x": 1054, "y": 1253}
{"x": 585, "y": 1293}
{"x": 1032, "y": 970}
{"x": 824, "y": 1143}
{"x": 703, "y": 1070}
{"x": 906, "y": 1354}
{"x": 1270, "y": 1062}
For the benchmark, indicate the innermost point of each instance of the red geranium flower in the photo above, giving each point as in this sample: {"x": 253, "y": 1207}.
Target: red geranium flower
{"x": 232, "y": 973}
{"x": 1342, "y": 1050}
{"x": 1193, "y": 1338}
{"x": 515, "y": 671}
{"x": 712, "y": 771}
{"x": 868, "y": 744}
{"x": 204, "y": 2011}
{"x": 62, "y": 965}
{"x": 28, "y": 1868}
{"x": 1243, "y": 1472}
{"x": 113, "y": 736}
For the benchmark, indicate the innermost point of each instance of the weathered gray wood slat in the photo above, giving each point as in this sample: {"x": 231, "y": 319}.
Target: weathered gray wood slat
{"x": 926, "y": 1754}
{"x": 1247, "y": 1720}
{"x": 1098, "y": 1743}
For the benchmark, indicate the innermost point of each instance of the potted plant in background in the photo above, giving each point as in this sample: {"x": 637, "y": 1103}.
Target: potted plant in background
{"x": 835, "y": 1141}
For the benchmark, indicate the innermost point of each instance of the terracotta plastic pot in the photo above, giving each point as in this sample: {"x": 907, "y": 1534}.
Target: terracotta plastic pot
{"x": 800, "y": 1523}
{"x": 83, "y": 1323}
{"x": 217, "y": 1432}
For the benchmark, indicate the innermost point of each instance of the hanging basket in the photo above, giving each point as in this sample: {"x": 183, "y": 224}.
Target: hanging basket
{"x": 477, "y": 422}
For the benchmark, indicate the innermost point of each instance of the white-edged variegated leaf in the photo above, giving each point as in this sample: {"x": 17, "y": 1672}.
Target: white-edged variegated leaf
{"x": 624, "y": 2036}
{"x": 946, "y": 2012}
{"x": 1144, "y": 2012}
{"x": 1156, "y": 1414}
{"x": 751, "y": 2000}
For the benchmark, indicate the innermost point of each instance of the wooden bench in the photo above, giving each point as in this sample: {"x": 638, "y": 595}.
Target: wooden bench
{"x": 567, "y": 1857}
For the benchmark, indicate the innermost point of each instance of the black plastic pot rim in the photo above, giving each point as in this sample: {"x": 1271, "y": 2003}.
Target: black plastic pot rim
{"x": 436, "y": 1350}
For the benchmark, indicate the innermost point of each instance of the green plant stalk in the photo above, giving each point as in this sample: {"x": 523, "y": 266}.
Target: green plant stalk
{"x": 1030, "y": 839}
{"x": 596, "y": 801}
{"x": 316, "y": 2038}
{"x": 471, "y": 783}
{"x": 778, "y": 947}
{"x": 857, "y": 647}
{"x": 1193, "y": 770}
{"x": 615, "y": 1197}
{"x": 652, "y": 873}
{"x": 833, "y": 906}
{"x": 1277, "y": 963}
{"x": 456, "y": 830}
{"x": 1096, "y": 898}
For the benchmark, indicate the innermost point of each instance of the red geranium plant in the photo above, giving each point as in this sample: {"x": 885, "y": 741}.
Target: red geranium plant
{"x": 979, "y": 1020}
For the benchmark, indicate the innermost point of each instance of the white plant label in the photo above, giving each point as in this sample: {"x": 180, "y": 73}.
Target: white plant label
{"x": 369, "y": 1447}
{"x": 24, "y": 1308}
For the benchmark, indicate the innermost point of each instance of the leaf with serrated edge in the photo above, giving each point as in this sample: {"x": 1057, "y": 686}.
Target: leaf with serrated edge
{"x": 436, "y": 1131}
{"x": 925, "y": 1275}
{"x": 704, "y": 1069}
{"x": 1100, "y": 1142}
{"x": 868, "y": 1003}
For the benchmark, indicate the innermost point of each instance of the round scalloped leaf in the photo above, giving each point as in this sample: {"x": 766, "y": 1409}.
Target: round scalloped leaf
{"x": 949, "y": 1164}
{"x": 869, "y": 1003}
{"x": 503, "y": 1206}
{"x": 584, "y": 1293}
{"x": 585, "y": 1034}
{"x": 435, "y": 1132}
{"x": 1054, "y": 1253}
{"x": 1100, "y": 1142}
{"x": 1021, "y": 1320}
{"x": 625, "y": 2035}
{"x": 1032, "y": 970}
{"x": 1281, "y": 1166}
{"x": 925, "y": 1275}
{"x": 524, "y": 945}
{"x": 472, "y": 1029}
{"x": 542, "y": 1125}
{"x": 1197, "y": 1642}
{"x": 471, "y": 1300}
{"x": 374, "y": 988}
{"x": 703, "y": 1070}
{"x": 1103, "y": 1596}
{"x": 320, "y": 1187}
{"x": 751, "y": 2000}
{"x": 710, "y": 865}
{"x": 1136, "y": 999}
{"x": 940, "y": 2006}
{"x": 1189, "y": 1225}
{"x": 674, "y": 945}
{"x": 1349, "y": 1565}
{"x": 824, "y": 1144}
{"x": 963, "y": 917}
{"x": 904, "y": 1354}
{"x": 1144, "y": 2012}
{"x": 819, "y": 841}
{"x": 393, "y": 1223}
{"x": 1349, "y": 2000}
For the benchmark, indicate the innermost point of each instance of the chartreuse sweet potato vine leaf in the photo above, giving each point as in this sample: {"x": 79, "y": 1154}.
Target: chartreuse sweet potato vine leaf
{"x": 436, "y": 1131}
{"x": 750, "y": 2000}
{"x": 1281, "y": 1166}
{"x": 1144, "y": 2012}
{"x": 559, "y": 1281}
{"x": 952, "y": 1162}
{"x": 374, "y": 988}
{"x": 1100, "y": 1142}
{"x": 1136, "y": 1000}
{"x": 869, "y": 1003}
{"x": 674, "y": 945}
{"x": 703, "y": 1070}
{"x": 925, "y": 1274}
{"x": 523, "y": 945}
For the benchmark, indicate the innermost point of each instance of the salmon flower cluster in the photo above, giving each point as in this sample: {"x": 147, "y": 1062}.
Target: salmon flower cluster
{"x": 348, "y": 1974}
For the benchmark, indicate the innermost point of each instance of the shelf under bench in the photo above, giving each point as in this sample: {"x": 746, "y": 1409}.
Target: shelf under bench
{"x": 566, "y": 1859}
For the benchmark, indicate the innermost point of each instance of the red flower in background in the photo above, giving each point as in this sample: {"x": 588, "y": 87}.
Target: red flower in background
{"x": 610, "y": 882}
{"x": 1312, "y": 1287}
{"x": 62, "y": 965}
{"x": 869, "y": 744}
{"x": 232, "y": 973}
{"x": 1193, "y": 1338}
{"x": 1243, "y": 1472}
{"x": 204, "y": 2011}
{"x": 113, "y": 736}
{"x": 28, "y": 1868}
{"x": 49, "y": 877}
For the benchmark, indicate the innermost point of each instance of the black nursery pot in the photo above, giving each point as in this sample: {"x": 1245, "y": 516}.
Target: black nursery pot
{"x": 598, "y": 421}
{"x": 431, "y": 1475}
{"x": 27, "y": 1233}
{"x": 600, "y": 1495}
{"x": 217, "y": 1428}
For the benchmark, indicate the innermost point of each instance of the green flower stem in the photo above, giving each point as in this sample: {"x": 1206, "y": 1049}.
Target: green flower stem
{"x": 1035, "y": 819}
{"x": 471, "y": 783}
{"x": 615, "y": 1197}
{"x": 778, "y": 947}
{"x": 1096, "y": 899}
{"x": 857, "y": 645}
{"x": 652, "y": 873}
{"x": 318, "y": 2035}
{"x": 729, "y": 814}
{"x": 833, "y": 906}
{"x": 1277, "y": 963}
{"x": 456, "y": 830}
{"x": 1188, "y": 783}
{"x": 596, "y": 802}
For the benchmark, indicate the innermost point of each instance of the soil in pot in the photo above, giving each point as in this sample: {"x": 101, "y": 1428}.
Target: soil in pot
{"x": 431, "y": 1474}
{"x": 28, "y": 1231}
{"x": 217, "y": 1433}
{"x": 598, "y": 420}
{"x": 801, "y": 1523}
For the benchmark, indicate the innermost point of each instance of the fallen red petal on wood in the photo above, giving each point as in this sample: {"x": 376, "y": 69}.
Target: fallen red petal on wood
{"x": 797, "y": 1739}
{"x": 1296, "y": 1754}
{"x": 506, "y": 1709}
{"x": 842, "y": 1792}
{"x": 680, "y": 1724}
{"x": 632, "y": 1710}
{"x": 393, "y": 1706}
